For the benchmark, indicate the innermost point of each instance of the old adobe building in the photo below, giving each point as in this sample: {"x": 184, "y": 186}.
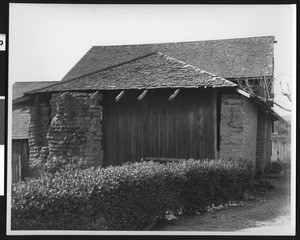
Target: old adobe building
{"x": 207, "y": 99}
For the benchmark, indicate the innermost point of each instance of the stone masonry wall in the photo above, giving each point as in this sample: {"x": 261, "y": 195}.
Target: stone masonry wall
{"x": 69, "y": 125}
{"x": 35, "y": 138}
{"x": 238, "y": 123}
{"x": 38, "y": 128}
{"x": 75, "y": 128}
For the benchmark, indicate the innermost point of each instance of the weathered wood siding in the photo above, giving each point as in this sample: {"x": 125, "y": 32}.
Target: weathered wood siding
{"x": 20, "y": 156}
{"x": 264, "y": 142}
{"x": 281, "y": 151}
{"x": 156, "y": 127}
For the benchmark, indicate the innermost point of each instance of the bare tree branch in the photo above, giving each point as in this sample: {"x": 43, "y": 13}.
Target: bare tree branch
{"x": 289, "y": 89}
{"x": 272, "y": 100}
{"x": 270, "y": 82}
{"x": 267, "y": 88}
{"x": 285, "y": 94}
{"x": 282, "y": 107}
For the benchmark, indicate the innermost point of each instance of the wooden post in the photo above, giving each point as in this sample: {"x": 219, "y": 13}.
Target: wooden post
{"x": 215, "y": 122}
{"x": 119, "y": 95}
{"x": 37, "y": 98}
{"x": 142, "y": 95}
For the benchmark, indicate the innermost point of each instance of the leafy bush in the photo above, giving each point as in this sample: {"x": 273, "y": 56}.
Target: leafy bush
{"x": 214, "y": 182}
{"x": 57, "y": 164}
{"x": 261, "y": 186}
{"x": 126, "y": 197}
{"x": 276, "y": 167}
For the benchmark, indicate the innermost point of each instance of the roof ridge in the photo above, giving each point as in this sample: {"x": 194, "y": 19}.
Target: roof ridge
{"x": 194, "y": 41}
{"x": 93, "y": 72}
{"x": 193, "y": 67}
{"x": 28, "y": 82}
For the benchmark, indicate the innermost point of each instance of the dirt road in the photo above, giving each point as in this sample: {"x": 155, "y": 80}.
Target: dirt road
{"x": 272, "y": 209}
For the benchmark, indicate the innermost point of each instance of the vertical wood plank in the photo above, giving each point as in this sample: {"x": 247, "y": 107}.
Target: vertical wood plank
{"x": 214, "y": 122}
{"x": 155, "y": 127}
{"x": 19, "y": 169}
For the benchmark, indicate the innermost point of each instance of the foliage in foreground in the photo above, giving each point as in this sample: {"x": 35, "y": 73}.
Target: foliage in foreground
{"x": 126, "y": 197}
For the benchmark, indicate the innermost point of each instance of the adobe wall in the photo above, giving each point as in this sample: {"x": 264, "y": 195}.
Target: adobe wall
{"x": 68, "y": 125}
{"x": 231, "y": 127}
{"x": 250, "y": 128}
{"x": 264, "y": 141}
{"x": 238, "y": 127}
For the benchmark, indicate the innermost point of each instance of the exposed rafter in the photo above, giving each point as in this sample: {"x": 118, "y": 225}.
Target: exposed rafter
{"x": 94, "y": 95}
{"x": 174, "y": 95}
{"x": 119, "y": 96}
{"x": 142, "y": 95}
{"x": 243, "y": 92}
{"x": 62, "y": 95}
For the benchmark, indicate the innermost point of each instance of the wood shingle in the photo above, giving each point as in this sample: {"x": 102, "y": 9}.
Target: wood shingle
{"x": 227, "y": 58}
{"x": 152, "y": 71}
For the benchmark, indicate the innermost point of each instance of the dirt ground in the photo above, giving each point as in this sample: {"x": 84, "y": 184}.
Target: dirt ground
{"x": 270, "y": 210}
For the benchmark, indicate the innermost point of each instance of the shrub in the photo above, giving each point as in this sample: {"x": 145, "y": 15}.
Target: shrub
{"x": 126, "y": 197}
{"x": 214, "y": 182}
{"x": 54, "y": 164}
{"x": 276, "y": 166}
{"x": 58, "y": 164}
{"x": 262, "y": 186}
{"x": 57, "y": 201}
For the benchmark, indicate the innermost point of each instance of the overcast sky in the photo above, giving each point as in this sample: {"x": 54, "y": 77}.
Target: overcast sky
{"x": 47, "y": 40}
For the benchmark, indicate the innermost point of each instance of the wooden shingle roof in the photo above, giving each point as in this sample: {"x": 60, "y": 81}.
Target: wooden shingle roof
{"x": 227, "y": 58}
{"x": 19, "y": 88}
{"x": 152, "y": 71}
{"x": 21, "y": 115}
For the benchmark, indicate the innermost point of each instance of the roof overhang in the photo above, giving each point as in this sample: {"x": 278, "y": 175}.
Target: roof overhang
{"x": 22, "y": 99}
{"x": 259, "y": 101}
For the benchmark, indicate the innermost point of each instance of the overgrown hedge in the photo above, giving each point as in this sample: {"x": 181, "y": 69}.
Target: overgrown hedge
{"x": 126, "y": 197}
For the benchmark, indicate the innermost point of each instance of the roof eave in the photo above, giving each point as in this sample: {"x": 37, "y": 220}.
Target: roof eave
{"x": 259, "y": 102}
{"x": 132, "y": 88}
{"x": 22, "y": 99}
